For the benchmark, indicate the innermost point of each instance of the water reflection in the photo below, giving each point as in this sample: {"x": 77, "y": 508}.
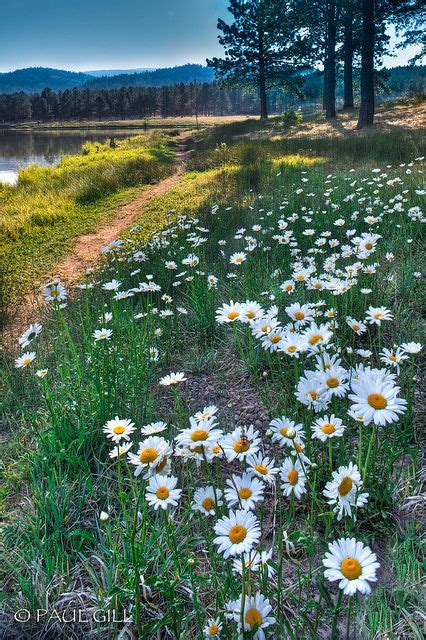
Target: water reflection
{"x": 20, "y": 148}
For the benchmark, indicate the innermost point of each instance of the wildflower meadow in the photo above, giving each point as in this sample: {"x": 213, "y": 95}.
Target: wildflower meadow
{"x": 220, "y": 424}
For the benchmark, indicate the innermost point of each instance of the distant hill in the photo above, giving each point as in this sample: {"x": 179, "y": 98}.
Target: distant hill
{"x": 158, "y": 78}
{"x": 98, "y": 73}
{"x": 35, "y": 79}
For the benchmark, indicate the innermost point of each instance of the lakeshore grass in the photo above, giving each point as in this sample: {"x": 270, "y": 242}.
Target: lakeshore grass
{"x": 163, "y": 567}
{"x": 42, "y": 215}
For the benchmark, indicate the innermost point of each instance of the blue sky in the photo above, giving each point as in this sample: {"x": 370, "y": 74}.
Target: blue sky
{"x": 105, "y": 34}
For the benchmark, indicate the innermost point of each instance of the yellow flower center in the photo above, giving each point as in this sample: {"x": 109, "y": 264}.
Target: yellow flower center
{"x": 199, "y": 434}
{"x": 265, "y": 328}
{"x": 148, "y": 455}
{"x": 289, "y": 287}
{"x": 241, "y": 446}
{"x": 345, "y": 486}
{"x": 261, "y": 469}
{"x": 378, "y": 315}
{"x": 244, "y": 493}
{"x": 213, "y": 630}
{"x": 119, "y": 429}
{"x": 318, "y": 286}
{"x": 393, "y": 358}
{"x": 26, "y": 361}
{"x": 328, "y": 428}
{"x": 232, "y": 315}
{"x": 312, "y": 394}
{"x": 283, "y": 432}
{"x": 332, "y": 383}
{"x": 250, "y": 315}
{"x": 54, "y": 292}
{"x": 291, "y": 349}
{"x": 299, "y": 315}
{"x": 293, "y": 477}
{"x": 162, "y": 493}
{"x": 216, "y": 449}
{"x": 300, "y": 278}
{"x": 377, "y": 401}
{"x": 253, "y": 618}
{"x": 355, "y": 327}
{"x": 314, "y": 339}
{"x": 237, "y": 533}
{"x": 275, "y": 339}
{"x": 368, "y": 245}
{"x": 351, "y": 568}
{"x": 238, "y": 260}
{"x": 207, "y": 504}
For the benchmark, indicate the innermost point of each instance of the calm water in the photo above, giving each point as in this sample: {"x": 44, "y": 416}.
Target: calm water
{"x": 21, "y": 148}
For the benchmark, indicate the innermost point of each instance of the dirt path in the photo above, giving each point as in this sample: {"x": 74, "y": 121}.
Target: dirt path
{"x": 86, "y": 251}
{"x": 88, "y": 247}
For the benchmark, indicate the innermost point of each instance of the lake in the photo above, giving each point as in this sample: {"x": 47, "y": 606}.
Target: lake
{"x": 19, "y": 148}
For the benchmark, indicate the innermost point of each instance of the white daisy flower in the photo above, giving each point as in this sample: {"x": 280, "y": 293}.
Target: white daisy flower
{"x": 25, "y": 359}
{"x": 205, "y": 500}
{"x": 393, "y": 358}
{"x": 241, "y": 443}
{"x": 28, "y": 336}
{"x": 202, "y": 433}
{"x": 293, "y": 478}
{"x": 118, "y": 429}
{"x": 120, "y": 450}
{"x": 342, "y": 490}
{"x": 213, "y": 628}
{"x": 352, "y": 563}
{"x": 152, "y": 455}
{"x": 229, "y": 312}
{"x": 376, "y": 315}
{"x": 375, "y": 397}
{"x": 102, "y": 334}
{"x": 255, "y": 616}
{"x": 238, "y": 258}
{"x": 328, "y": 427}
{"x": 286, "y": 432}
{"x": 262, "y": 467}
{"x": 172, "y": 378}
{"x": 236, "y": 533}
{"x": 153, "y": 428}
{"x": 412, "y": 347}
{"x": 244, "y": 491}
{"x": 161, "y": 492}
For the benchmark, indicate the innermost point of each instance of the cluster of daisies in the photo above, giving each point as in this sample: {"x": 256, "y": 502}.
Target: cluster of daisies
{"x": 239, "y": 473}
{"x": 234, "y": 503}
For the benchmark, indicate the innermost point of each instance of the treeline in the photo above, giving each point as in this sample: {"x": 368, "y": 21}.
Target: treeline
{"x": 207, "y": 99}
{"x": 273, "y": 43}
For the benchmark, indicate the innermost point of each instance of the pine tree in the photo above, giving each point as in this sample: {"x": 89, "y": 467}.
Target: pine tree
{"x": 261, "y": 47}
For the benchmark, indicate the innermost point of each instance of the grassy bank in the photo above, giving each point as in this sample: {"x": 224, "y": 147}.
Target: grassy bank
{"x": 291, "y": 210}
{"x": 50, "y": 207}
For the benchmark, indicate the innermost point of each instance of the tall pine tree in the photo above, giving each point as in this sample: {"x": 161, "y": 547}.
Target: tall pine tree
{"x": 263, "y": 47}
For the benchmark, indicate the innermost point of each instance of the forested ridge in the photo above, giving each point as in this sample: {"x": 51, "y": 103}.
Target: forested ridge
{"x": 181, "y": 99}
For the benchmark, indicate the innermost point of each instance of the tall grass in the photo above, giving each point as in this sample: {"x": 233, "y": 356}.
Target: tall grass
{"x": 164, "y": 568}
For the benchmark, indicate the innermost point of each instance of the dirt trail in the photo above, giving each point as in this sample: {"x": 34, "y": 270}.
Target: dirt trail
{"x": 87, "y": 249}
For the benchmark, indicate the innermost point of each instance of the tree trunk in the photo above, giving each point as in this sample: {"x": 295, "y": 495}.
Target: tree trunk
{"x": 366, "y": 112}
{"x": 262, "y": 81}
{"x": 329, "y": 101}
{"x": 348, "y": 53}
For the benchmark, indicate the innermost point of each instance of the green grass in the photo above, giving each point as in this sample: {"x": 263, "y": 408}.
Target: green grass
{"x": 56, "y": 451}
{"x": 41, "y": 217}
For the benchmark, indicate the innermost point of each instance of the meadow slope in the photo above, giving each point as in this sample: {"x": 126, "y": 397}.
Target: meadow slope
{"x": 200, "y": 435}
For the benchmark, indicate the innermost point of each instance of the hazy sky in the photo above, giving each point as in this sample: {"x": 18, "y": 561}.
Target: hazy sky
{"x": 106, "y": 34}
